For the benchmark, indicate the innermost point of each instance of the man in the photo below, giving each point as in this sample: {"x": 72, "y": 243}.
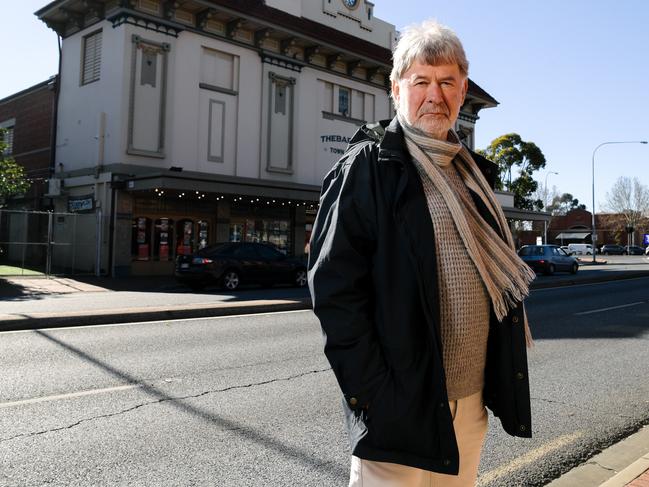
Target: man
{"x": 416, "y": 284}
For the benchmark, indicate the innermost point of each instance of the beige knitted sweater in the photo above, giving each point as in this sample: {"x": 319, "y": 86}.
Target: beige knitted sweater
{"x": 464, "y": 301}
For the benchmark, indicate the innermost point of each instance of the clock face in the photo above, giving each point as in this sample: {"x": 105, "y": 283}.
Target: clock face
{"x": 350, "y": 4}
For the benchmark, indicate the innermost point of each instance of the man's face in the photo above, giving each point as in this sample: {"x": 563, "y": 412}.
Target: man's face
{"x": 430, "y": 97}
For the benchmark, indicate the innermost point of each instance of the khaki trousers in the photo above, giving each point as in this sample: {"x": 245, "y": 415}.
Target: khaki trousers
{"x": 470, "y": 424}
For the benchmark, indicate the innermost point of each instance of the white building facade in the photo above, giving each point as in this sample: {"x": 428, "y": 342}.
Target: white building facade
{"x": 185, "y": 123}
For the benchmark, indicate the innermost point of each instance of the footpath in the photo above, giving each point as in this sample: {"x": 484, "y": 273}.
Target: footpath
{"x": 37, "y": 302}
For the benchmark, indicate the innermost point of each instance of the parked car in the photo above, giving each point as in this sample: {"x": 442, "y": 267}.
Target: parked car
{"x": 548, "y": 259}
{"x": 233, "y": 263}
{"x": 566, "y": 249}
{"x": 580, "y": 248}
{"x": 612, "y": 249}
{"x": 633, "y": 250}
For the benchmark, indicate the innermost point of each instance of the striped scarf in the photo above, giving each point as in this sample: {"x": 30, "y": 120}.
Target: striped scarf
{"x": 505, "y": 276}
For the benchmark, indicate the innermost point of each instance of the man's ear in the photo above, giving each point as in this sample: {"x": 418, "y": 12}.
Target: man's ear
{"x": 465, "y": 88}
{"x": 395, "y": 91}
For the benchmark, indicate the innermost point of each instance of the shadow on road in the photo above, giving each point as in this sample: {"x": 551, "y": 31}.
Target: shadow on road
{"x": 261, "y": 439}
{"x": 595, "y": 325}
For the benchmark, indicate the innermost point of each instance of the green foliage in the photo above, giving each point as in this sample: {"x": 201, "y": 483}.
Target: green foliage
{"x": 562, "y": 205}
{"x": 13, "y": 180}
{"x": 512, "y": 154}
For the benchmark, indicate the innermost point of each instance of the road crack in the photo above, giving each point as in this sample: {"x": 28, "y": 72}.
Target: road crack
{"x": 162, "y": 399}
{"x": 597, "y": 464}
{"x": 578, "y": 408}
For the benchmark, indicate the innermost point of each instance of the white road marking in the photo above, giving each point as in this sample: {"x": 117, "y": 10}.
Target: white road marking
{"x": 158, "y": 321}
{"x": 70, "y": 395}
{"x": 600, "y": 310}
{"x": 529, "y": 457}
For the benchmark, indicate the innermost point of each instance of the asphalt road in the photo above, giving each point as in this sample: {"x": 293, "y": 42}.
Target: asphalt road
{"x": 243, "y": 401}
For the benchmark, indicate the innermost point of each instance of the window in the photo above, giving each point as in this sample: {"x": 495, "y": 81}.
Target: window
{"x": 245, "y": 252}
{"x": 203, "y": 230}
{"x": 91, "y": 65}
{"x": 343, "y": 101}
{"x": 328, "y": 95}
{"x": 141, "y": 238}
{"x": 185, "y": 233}
{"x": 219, "y": 70}
{"x": 268, "y": 253}
{"x": 7, "y": 138}
{"x": 281, "y": 103}
{"x": 162, "y": 239}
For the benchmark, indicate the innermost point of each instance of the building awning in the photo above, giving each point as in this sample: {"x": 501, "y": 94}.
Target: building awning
{"x": 526, "y": 215}
{"x": 572, "y": 235}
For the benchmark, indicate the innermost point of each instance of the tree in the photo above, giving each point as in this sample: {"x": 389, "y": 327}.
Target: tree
{"x": 630, "y": 199}
{"x": 562, "y": 205}
{"x": 512, "y": 154}
{"x": 545, "y": 194}
{"x": 13, "y": 180}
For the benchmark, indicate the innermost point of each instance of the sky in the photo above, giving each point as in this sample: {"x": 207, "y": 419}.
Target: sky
{"x": 569, "y": 75}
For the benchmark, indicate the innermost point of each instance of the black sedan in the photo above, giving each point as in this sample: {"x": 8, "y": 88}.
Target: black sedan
{"x": 548, "y": 259}
{"x": 612, "y": 249}
{"x": 233, "y": 263}
{"x": 633, "y": 250}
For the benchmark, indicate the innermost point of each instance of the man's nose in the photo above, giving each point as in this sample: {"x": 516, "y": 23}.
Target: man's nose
{"x": 434, "y": 93}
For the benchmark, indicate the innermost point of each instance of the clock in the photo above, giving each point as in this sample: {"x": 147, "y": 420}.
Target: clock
{"x": 350, "y": 4}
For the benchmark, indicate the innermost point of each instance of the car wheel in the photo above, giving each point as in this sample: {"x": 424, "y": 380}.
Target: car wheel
{"x": 574, "y": 268}
{"x": 550, "y": 270}
{"x": 230, "y": 280}
{"x": 300, "y": 278}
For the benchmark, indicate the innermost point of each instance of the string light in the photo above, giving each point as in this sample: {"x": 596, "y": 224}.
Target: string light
{"x": 234, "y": 199}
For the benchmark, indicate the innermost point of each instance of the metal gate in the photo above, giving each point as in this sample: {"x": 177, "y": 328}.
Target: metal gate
{"x": 47, "y": 243}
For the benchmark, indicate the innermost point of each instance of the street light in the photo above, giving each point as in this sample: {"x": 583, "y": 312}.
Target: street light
{"x": 594, "y": 234}
{"x": 545, "y": 222}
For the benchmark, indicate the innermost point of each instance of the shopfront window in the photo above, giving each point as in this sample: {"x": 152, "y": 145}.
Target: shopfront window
{"x": 236, "y": 232}
{"x": 271, "y": 231}
{"x": 203, "y": 233}
{"x": 141, "y": 238}
{"x": 185, "y": 232}
{"x": 162, "y": 239}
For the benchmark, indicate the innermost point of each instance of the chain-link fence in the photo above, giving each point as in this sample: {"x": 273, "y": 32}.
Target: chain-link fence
{"x": 47, "y": 243}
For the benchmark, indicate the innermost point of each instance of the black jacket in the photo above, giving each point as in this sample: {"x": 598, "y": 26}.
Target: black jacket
{"x": 373, "y": 282}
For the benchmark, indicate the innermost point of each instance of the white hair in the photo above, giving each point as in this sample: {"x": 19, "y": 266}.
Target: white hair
{"x": 431, "y": 43}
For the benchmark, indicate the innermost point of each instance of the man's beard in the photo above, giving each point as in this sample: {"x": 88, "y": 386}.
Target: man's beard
{"x": 436, "y": 126}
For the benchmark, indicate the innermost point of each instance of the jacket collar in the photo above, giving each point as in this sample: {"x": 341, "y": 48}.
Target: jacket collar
{"x": 389, "y": 136}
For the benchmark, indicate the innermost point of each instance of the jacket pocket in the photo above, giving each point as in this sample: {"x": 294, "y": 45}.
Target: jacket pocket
{"x": 401, "y": 416}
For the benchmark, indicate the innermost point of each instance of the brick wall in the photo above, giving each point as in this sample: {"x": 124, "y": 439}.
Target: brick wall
{"x": 610, "y": 228}
{"x": 32, "y": 110}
